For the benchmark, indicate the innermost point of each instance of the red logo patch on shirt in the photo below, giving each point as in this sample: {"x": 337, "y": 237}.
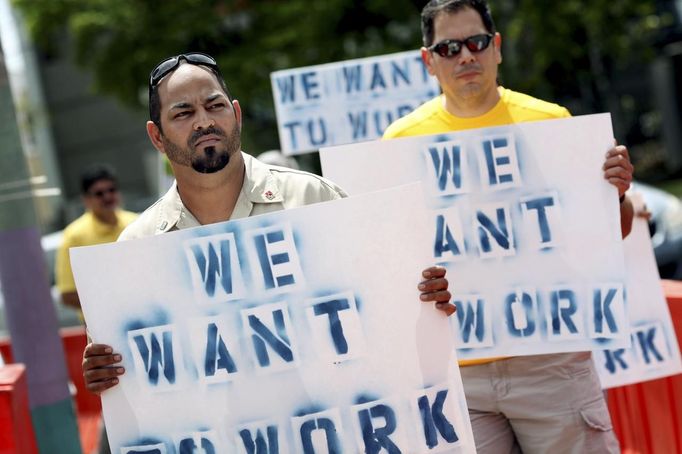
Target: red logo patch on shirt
{"x": 269, "y": 195}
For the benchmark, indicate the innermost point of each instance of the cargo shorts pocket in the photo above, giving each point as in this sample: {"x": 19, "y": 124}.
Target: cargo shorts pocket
{"x": 598, "y": 435}
{"x": 597, "y": 417}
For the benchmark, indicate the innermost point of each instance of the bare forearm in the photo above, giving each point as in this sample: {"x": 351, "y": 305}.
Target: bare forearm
{"x": 627, "y": 212}
{"x": 71, "y": 299}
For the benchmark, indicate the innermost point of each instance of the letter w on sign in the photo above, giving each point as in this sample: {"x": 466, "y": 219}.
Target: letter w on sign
{"x": 155, "y": 355}
{"x": 214, "y": 267}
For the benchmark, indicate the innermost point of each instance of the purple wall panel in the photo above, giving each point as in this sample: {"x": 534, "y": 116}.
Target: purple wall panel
{"x": 31, "y": 316}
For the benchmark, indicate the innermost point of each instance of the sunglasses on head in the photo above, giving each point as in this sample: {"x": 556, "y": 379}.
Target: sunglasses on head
{"x": 451, "y": 47}
{"x": 102, "y": 192}
{"x": 169, "y": 64}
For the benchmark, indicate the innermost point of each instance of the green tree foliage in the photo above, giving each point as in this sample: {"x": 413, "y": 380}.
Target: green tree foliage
{"x": 122, "y": 40}
{"x": 574, "y": 49}
{"x": 556, "y": 50}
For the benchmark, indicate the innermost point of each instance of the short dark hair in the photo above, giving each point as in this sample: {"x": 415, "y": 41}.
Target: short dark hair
{"x": 95, "y": 173}
{"x": 155, "y": 100}
{"x": 435, "y": 7}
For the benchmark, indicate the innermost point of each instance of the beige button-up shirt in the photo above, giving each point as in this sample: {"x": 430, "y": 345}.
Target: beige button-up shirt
{"x": 266, "y": 189}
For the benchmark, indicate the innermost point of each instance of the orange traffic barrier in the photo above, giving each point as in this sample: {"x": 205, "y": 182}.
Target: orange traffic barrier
{"x": 647, "y": 417}
{"x": 74, "y": 340}
{"x": 88, "y": 405}
{"x": 16, "y": 428}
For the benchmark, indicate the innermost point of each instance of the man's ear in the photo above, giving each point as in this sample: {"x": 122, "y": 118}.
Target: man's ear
{"x": 497, "y": 40}
{"x": 237, "y": 113}
{"x": 427, "y": 58}
{"x": 154, "y": 134}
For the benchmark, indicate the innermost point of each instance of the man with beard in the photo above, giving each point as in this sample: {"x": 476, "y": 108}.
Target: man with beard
{"x": 535, "y": 404}
{"x": 196, "y": 123}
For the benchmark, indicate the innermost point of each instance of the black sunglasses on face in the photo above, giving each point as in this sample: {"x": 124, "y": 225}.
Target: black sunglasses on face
{"x": 100, "y": 193}
{"x": 451, "y": 47}
{"x": 169, "y": 64}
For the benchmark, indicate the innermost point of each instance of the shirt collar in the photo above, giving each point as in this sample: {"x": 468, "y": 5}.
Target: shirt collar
{"x": 170, "y": 210}
{"x": 259, "y": 184}
{"x": 259, "y": 187}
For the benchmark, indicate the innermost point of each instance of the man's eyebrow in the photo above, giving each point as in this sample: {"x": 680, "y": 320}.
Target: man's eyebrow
{"x": 180, "y": 105}
{"x": 214, "y": 97}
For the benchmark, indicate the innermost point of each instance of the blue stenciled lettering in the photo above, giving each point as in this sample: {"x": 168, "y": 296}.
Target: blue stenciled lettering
{"x": 377, "y": 77}
{"x": 189, "y": 446}
{"x": 331, "y": 309}
{"x": 399, "y": 73}
{"x": 313, "y": 130}
{"x": 279, "y": 343}
{"x": 614, "y": 358}
{"x": 324, "y": 424}
{"x": 261, "y": 444}
{"x": 445, "y": 241}
{"x": 447, "y": 164}
{"x": 214, "y": 266}
{"x": 603, "y": 311}
{"x": 540, "y": 204}
{"x": 310, "y": 85}
{"x": 291, "y": 126}
{"x": 358, "y": 124}
{"x": 519, "y": 311}
{"x": 217, "y": 354}
{"x": 404, "y": 110}
{"x": 376, "y": 439}
{"x": 434, "y": 421}
{"x": 471, "y": 320}
{"x": 501, "y": 169}
{"x": 425, "y": 71}
{"x": 275, "y": 251}
{"x": 563, "y": 314}
{"x": 361, "y": 128}
{"x": 286, "y": 89}
{"x": 157, "y": 356}
{"x": 645, "y": 339}
{"x": 487, "y": 228}
{"x": 352, "y": 75}
{"x": 379, "y": 124}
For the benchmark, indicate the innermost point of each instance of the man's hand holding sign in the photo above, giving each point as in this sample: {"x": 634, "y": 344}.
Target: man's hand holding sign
{"x": 618, "y": 171}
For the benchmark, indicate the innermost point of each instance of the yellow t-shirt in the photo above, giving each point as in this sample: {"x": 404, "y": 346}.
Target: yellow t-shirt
{"x": 432, "y": 118}
{"x": 87, "y": 230}
{"x": 513, "y": 107}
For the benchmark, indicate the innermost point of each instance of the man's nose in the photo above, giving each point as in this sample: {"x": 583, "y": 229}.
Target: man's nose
{"x": 203, "y": 120}
{"x": 466, "y": 56}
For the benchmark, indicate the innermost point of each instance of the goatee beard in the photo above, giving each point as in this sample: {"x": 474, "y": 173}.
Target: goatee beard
{"x": 211, "y": 162}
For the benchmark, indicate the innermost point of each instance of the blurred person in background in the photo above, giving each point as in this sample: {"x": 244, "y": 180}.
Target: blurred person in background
{"x": 276, "y": 158}
{"x": 532, "y": 404}
{"x": 102, "y": 222}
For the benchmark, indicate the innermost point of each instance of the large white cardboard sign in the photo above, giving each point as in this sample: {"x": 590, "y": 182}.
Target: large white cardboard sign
{"x": 655, "y": 352}
{"x": 526, "y": 224}
{"x": 348, "y": 101}
{"x": 294, "y": 332}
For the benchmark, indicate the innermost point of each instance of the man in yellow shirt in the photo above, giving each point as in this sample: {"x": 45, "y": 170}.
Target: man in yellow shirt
{"x": 102, "y": 222}
{"x": 533, "y": 404}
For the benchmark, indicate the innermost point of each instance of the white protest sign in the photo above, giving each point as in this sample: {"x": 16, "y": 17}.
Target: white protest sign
{"x": 654, "y": 352}
{"x": 526, "y": 224}
{"x": 349, "y": 101}
{"x": 299, "y": 331}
